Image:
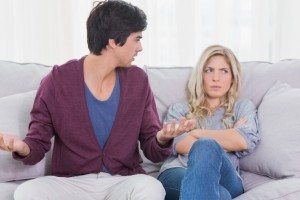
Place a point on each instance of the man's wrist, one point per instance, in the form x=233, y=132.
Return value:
x=25, y=151
x=160, y=142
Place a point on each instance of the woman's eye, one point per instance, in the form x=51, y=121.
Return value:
x=208, y=70
x=225, y=71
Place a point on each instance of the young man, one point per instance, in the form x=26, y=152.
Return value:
x=97, y=108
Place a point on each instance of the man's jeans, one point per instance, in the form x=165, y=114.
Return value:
x=209, y=176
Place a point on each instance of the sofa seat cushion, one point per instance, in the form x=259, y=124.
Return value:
x=288, y=188
x=251, y=180
x=7, y=189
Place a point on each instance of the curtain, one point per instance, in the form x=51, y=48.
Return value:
x=178, y=31
x=54, y=31
x=43, y=31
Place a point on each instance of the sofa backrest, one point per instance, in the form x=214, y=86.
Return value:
x=20, y=77
x=168, y=84
x=18, y=84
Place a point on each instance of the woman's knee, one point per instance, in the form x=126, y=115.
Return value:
x=203, y=151
x=205, y=145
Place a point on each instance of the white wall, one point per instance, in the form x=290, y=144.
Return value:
x=43, y=31
x=53, y=31
x=287, y=32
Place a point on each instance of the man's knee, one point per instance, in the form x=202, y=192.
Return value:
x=149, y=187
x=27, y=190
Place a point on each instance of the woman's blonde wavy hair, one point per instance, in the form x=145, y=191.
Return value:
x=196, y=95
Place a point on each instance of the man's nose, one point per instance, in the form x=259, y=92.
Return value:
x=140, y=48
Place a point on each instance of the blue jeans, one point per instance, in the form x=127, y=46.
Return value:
x=210, y=175
x=171, y=180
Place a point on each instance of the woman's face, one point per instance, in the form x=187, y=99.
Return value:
x=217, y=77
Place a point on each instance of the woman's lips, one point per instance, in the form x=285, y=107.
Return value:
x=215, y=87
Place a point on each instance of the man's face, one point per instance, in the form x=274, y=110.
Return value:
x=126, y=53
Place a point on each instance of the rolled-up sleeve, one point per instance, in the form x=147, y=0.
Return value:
x=250, y=130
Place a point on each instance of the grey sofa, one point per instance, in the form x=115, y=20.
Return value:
x=271, y=172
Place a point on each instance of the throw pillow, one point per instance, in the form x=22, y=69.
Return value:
x=14, y=120
x=278, y=153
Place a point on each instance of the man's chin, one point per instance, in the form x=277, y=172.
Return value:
x=126, y=65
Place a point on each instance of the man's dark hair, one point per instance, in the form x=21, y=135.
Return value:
x=113, y=19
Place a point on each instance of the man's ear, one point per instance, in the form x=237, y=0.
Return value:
x=112, y=43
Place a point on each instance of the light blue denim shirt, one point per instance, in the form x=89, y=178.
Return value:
x=242, y=108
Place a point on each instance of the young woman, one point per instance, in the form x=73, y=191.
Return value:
x=204, y=164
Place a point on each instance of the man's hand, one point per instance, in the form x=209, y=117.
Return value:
x=171, y=130
x=13, y=144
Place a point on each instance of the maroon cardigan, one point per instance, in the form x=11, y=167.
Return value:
x=60, y=110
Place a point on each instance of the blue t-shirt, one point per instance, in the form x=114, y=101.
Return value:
x=103, y=113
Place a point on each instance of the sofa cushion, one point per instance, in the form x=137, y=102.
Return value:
x=251, y=180
x=7, y=189
x=168, y=86
x=169, y=83
x=258, y=77
x=20, y=77
x=14, y=120
x=288, y=189
x=278, y=153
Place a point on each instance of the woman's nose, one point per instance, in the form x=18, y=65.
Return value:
x=216, y=76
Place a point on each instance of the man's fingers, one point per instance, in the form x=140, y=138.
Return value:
x=173, y=126
x=189, y=124
x=165, y=128
x=10, y=146
x=3, y=145
x=173, y=129
x=1, y=140
x=192, y=124
x=182, y=125
x=182, y=120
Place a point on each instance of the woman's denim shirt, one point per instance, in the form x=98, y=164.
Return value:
x=249, y=130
